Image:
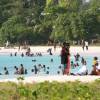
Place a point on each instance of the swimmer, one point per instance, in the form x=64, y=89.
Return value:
x=11, y=54
x=25, y=71
x=44, y=68
x=72, y=64
x=47, y=67
x=6, y=71
x=58, y=72
x=22, y=55
x=35, y=69
x=47, y=72
x=21, y=70
x=16, y=72
x=34, y=60
x=59, y=67
x=51, y=60
x=15, y=53
x=32, y=70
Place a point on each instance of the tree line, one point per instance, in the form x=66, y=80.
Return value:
x=37, y=21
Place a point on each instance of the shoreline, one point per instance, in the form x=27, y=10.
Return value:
x=93, y=50
x=51, y=78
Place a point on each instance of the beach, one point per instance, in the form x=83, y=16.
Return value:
x=93, y=51
x=50, y=78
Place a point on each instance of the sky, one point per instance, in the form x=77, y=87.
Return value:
x=87, y=0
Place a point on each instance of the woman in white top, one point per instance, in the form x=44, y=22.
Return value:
x=83, y=70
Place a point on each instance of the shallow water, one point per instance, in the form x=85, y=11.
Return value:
x=10, y=62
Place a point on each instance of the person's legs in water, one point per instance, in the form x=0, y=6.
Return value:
x=64, y=68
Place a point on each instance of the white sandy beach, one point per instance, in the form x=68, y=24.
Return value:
x=93, y=51
x=58, y=78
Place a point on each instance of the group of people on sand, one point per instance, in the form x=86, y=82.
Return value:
x=84, y=69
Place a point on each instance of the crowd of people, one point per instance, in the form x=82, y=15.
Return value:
x=66, y=63
x=35, y=69
x=25, y=54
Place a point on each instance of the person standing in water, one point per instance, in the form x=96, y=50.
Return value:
x=65, y=57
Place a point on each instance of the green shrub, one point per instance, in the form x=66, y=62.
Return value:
x=50, y=91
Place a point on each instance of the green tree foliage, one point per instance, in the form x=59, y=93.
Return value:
x=38, y=20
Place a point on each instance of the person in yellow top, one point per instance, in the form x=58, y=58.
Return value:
x=95, y=60
x=95, y=63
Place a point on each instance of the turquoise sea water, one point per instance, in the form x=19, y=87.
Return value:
x=10, y=62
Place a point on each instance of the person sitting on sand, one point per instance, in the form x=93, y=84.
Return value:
x=96, y=69
x=83, y=70
x=95, y=64
x=95, y=60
